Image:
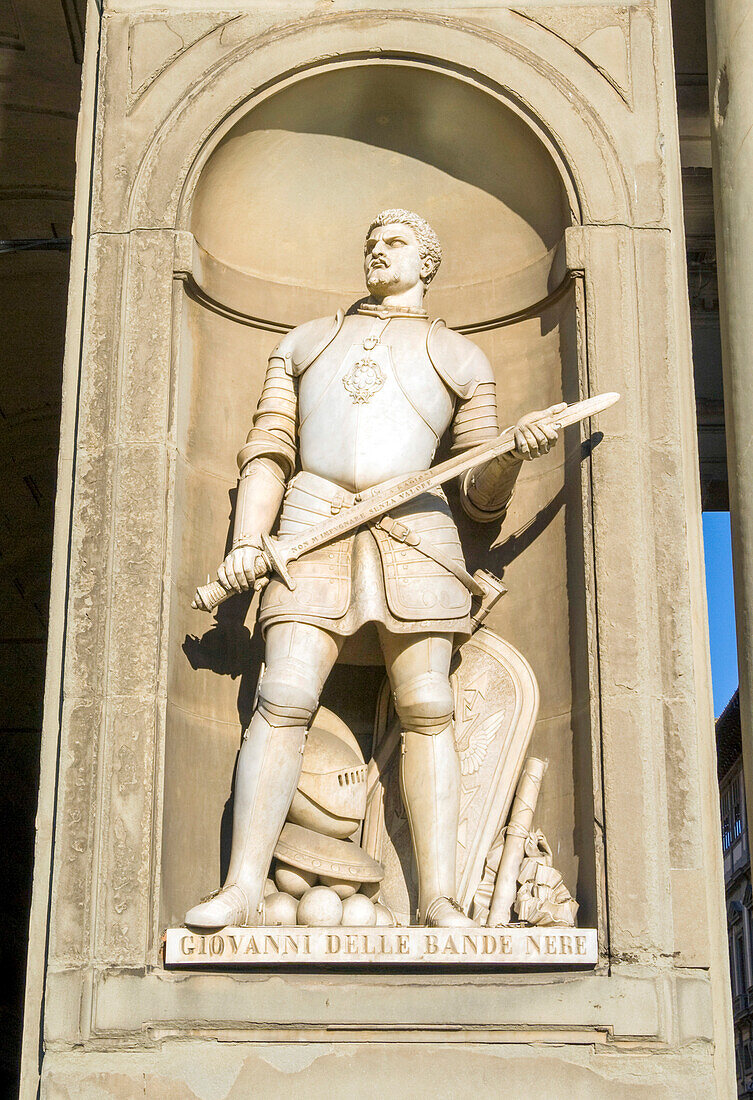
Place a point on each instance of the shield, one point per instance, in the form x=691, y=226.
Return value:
x=496, y=703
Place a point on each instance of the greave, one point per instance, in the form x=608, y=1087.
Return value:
x=269, y=766
x=430, y=785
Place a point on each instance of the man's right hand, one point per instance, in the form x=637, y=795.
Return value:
x=243, y=567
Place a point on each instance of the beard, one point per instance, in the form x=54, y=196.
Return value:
x=380, y=280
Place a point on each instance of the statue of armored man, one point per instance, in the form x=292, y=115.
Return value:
x=351, y=402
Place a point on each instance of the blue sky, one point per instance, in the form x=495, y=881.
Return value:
x=718, y=550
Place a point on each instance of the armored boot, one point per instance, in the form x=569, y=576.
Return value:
x=269, y=766
x=430, y=783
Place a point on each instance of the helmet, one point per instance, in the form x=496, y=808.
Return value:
x=331, y=794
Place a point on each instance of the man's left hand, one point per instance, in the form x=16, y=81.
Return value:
x=536, y=433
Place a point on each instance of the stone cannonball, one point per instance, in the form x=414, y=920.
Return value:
x=359, y=911
x=280, y=908
x=320, y=907
x=292, y=880
x=342, y=887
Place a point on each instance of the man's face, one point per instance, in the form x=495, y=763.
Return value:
x=392, y=262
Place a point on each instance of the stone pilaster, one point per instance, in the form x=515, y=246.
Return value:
x=730, y=39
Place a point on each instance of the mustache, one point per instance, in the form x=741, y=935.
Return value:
x=381, y=274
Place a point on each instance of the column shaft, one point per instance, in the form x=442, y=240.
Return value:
x=730, y=44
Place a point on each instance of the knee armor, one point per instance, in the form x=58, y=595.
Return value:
x=287, y=695
x=425, y=703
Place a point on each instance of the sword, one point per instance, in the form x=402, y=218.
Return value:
x=373, y=503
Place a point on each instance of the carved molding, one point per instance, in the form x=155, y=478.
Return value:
x=600, y=35
x=225, y=289
x=551, y=101
x=155, y=42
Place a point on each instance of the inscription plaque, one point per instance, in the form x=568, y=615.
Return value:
x=570, y=947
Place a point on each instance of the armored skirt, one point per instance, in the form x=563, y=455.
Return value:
x=369, y=575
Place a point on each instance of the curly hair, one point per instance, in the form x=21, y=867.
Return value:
x=428, y=242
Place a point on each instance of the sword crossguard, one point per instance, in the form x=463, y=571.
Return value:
x=276, y=562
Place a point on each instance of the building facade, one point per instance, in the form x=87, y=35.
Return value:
x=197, y=133
x=737, y=885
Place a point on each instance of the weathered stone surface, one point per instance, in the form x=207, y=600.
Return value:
x=191, y=1072
x=140, y=516
x=603, y=564
x=145, y=377
x=89, y=564
x=72, y=885
x=599, y=32
x=134, y=638
x=630, y=999
x=124, y=897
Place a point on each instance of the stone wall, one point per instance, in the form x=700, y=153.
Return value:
x=183, y=286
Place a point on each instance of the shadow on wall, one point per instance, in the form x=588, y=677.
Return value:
x=288, y=193
x=286, y=196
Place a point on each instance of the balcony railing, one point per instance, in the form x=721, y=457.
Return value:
x=737, y=857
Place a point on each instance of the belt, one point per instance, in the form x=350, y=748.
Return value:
x=322, y=489
x=401, y=532
x=339, y=498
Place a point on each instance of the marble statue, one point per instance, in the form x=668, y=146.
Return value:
x=349, y=403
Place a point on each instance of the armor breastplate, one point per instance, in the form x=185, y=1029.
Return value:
x=372, y=410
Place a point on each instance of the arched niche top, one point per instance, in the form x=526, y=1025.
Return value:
x=560, y=101
x=289, y=191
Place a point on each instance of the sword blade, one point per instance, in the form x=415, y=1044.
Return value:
x=378, y=501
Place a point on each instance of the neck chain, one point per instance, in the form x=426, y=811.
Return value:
x=377, y=329
x=365, y=375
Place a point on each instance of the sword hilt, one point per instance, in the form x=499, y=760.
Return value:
x=210, y=595
x=275, y=561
